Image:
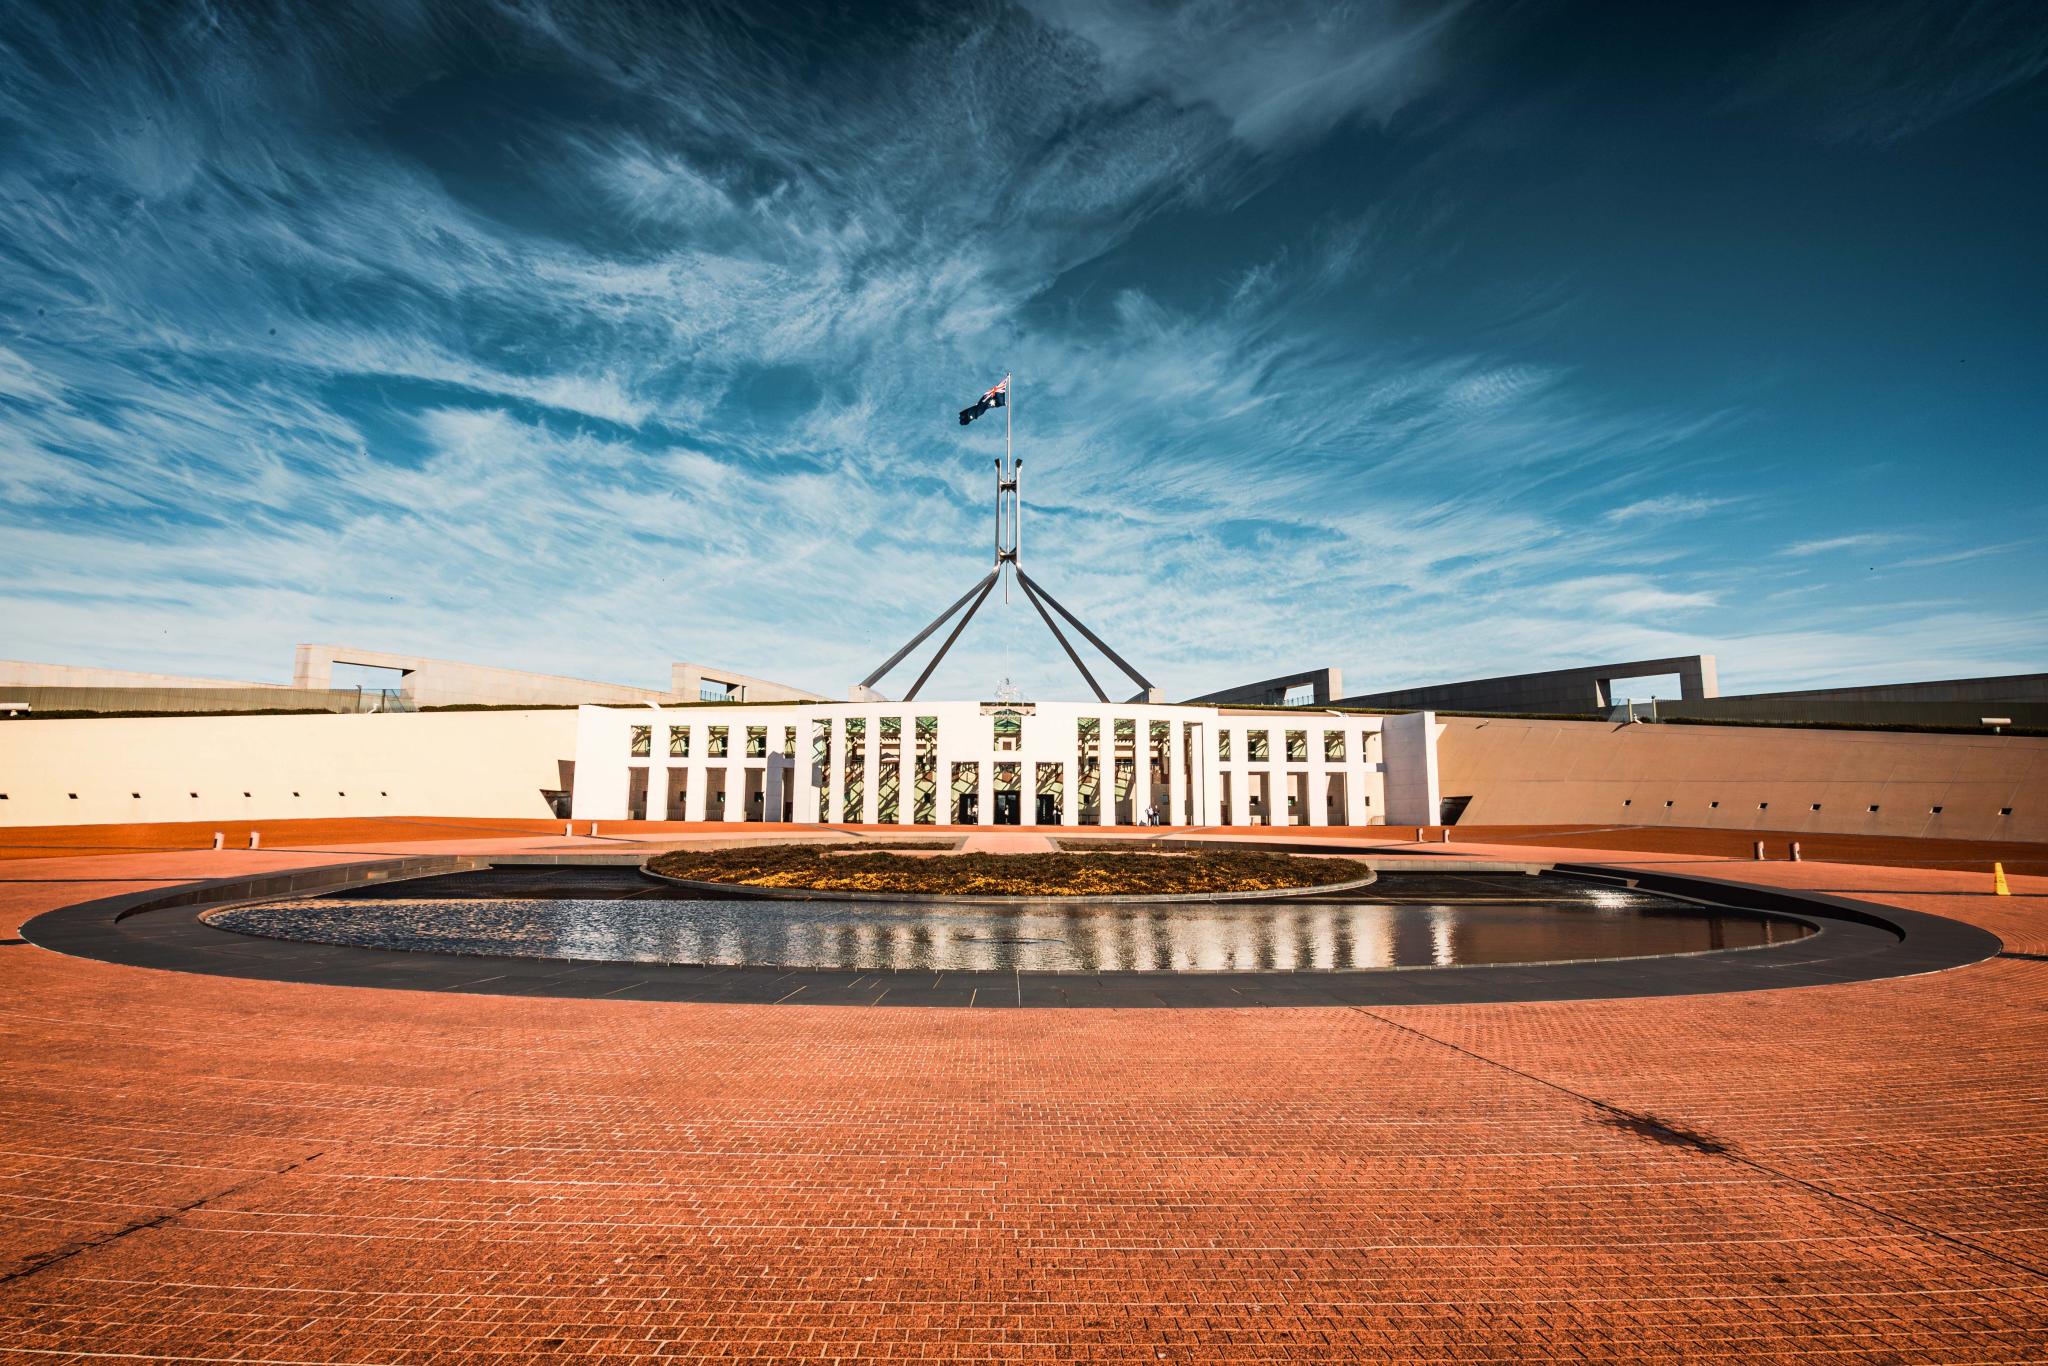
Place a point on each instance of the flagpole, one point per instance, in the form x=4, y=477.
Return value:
x=1009, y=473
x=1017, y=484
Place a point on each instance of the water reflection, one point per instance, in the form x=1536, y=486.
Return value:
x=1193, y=937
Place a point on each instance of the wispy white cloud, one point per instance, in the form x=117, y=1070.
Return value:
x=1666, y=507
x=1861, y=540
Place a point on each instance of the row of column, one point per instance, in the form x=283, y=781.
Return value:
x=774, y=771
x=1192, y=783
x=1170, y=796
x=1318, y=770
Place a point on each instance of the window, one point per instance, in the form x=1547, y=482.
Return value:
x=1934, y=811
x=789, y=742
x=1873, y=808
x=678, y=742
x=1009, y=732
x=757, y=742
x=1816, y=806
x=1713, y=806
x=1223, y=745
x=1628, y=801
x=1297, y=746
x=1763, y=806
x=643, y=741
x=1333, y=746
x=1258, y=746
x=719, y=745
x=2005, y=811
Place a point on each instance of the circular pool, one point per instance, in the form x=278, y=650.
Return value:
x=1405, y=920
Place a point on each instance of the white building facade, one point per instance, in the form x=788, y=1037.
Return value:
x=1004, y=763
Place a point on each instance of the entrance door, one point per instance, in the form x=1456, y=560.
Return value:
x=1009, y=808
x=1048, y=809
x=970, y=806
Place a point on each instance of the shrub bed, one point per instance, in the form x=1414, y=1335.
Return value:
x=860, y=868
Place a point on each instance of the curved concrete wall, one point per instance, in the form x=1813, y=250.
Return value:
x=1531, y=772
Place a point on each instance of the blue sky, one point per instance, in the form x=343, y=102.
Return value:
x=1427, y=340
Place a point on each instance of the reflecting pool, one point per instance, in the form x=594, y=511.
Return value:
x=1405, y=920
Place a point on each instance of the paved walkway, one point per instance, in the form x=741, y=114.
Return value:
x=211, y=1169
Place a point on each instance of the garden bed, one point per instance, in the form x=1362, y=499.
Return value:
x=848, y=868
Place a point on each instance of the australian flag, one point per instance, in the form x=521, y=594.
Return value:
x=994, y=398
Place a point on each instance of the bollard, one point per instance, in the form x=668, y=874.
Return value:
x=1998, y=884
x=255, y=839
x=1759, y=851
x=567, y=830
x=1447, y=836
x=1795, y=851
x=220, y=841
x=593, y=827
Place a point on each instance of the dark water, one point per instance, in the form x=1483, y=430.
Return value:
x=1404, y=920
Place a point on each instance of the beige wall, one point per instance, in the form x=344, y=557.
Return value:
x=1529, y=772
x=406, y=764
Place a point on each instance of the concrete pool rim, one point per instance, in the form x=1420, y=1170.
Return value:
x=161, y=928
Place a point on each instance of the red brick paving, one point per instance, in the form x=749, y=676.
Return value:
x=204, y=1169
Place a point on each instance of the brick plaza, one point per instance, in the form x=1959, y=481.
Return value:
x=198, y=1168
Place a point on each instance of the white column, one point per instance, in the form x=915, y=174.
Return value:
x=871, y=771
x=906, y=772
x=1070, y=800
x=944, y=809
x=735, y=775
x=1209, y=790
x=1357, y=779
x=1150, y=792
x=657, y=777
x=1105, y=770
x=985, y=793
x=835, y=773
x=693, y=793
x=1240, y=778
x=805, y=807
x=1177, y=773
x=773, y=779
x=1318, y=812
